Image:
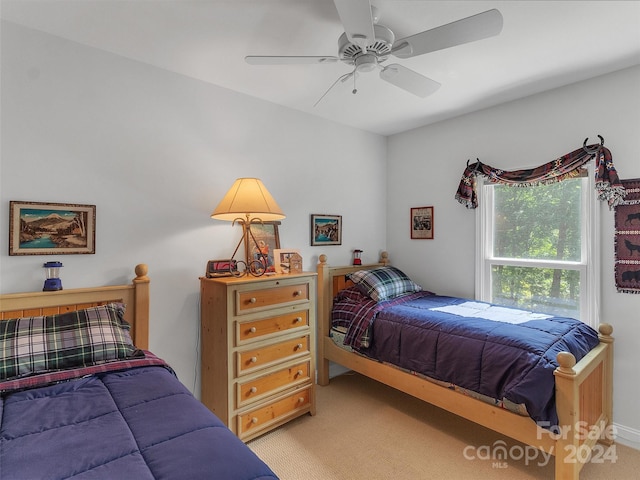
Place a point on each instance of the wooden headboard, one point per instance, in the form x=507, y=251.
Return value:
x=134, y=295
x=330, y=281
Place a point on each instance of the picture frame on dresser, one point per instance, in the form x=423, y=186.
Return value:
x=265, y=239
x=282, y=258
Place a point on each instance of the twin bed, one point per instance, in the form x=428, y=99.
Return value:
x=546, y=382
x=81, y=397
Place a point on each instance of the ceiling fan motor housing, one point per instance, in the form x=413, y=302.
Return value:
x=381, y=47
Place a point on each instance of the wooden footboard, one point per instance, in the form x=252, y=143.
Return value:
x=135, y=295
x=583, y=389
x=584, y=401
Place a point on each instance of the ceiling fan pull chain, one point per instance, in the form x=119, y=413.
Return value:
x=342, y=78
x=355, y=90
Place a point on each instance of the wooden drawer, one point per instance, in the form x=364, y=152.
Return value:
x=251, y=360
x=275, y=296
x=253, y=421
x=260, y=387
x=264, y=328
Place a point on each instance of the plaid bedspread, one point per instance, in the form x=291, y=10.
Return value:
x=356, y=312
x=50, y=378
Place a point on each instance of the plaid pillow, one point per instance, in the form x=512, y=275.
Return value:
x=68, y=340
x=383, y=283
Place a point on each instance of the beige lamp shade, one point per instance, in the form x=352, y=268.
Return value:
x=248, y=199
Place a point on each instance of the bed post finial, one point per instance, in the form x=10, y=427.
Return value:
x=322, y=259
x=566, y=362
x=384, y=258
x=141, y=273
x=605, y=330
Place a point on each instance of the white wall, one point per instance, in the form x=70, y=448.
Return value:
x=425, y=166
x=155, y=152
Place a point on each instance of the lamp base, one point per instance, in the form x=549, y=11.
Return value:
x=52, y=285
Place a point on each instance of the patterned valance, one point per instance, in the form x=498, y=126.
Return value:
x=608, y=184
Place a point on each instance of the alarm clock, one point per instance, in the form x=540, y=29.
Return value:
x=221, y=268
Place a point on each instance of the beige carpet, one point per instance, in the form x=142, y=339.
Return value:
x=364, y=430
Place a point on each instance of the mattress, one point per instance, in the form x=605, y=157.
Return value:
x=502, y=358
x=124, y=420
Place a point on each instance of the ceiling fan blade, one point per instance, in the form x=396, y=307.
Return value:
x=357, y=19
x=286, y=60
x=470, y=29
x=409, y=80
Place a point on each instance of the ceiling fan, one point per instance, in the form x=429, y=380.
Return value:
x=365, y=45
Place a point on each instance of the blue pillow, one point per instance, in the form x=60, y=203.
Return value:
x=383, y=283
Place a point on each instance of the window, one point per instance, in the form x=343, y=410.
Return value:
x=537, y=248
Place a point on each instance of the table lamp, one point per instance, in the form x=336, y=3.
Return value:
x=248, y=201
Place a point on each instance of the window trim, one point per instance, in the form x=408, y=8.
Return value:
x=589, y=265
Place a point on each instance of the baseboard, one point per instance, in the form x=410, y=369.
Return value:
x=629, y=437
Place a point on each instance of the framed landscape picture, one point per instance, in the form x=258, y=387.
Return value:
x=326, y=229
x=422, y=223
x=37, y=228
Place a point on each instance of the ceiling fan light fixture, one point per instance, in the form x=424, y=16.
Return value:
x=366, y=62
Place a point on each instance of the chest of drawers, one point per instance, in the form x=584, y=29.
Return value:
x=258, y=350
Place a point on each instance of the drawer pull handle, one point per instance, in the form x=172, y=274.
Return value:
x=253, y=359
x=252, y=300
x=298, y=320
x=253, y=389
x=254, y=420
x=297, y=293
x=298, y=346
x=299, y=373
x=301, y=400
x=252, y=330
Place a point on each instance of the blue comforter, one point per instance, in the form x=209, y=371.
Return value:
x=140, y=423
x=496, y=358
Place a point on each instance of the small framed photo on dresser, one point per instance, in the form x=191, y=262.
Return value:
x=422, y=223
x=282, y=259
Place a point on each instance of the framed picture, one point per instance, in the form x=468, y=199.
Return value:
x=37, y=228
x=267, y=240
x=422, y=223
x=282, y=259
x=326, y=229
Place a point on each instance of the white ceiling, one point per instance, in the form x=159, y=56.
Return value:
x=543, y=45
